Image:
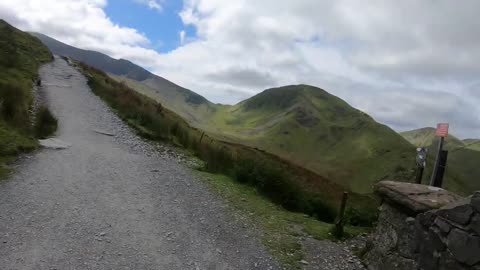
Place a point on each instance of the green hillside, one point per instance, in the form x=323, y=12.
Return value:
x=472, y=144
x=424, y=137
x=20, y=57
x=316, y=130
x=462, y=169
x=99, y=60
x=189, y=105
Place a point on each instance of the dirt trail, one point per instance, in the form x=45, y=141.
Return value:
x=112, y=202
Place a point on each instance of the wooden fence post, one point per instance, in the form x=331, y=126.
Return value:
x=341, y=215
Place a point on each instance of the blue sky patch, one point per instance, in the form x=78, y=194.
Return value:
x=161, y=28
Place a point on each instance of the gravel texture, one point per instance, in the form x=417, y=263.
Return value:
x=112, y=202
x=328, y=255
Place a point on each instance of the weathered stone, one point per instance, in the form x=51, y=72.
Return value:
x=436, y=240
x=426, y=219
x=410, y=220
x=442, y=225
x=459, y=212
x=415, y=197
x=448, y=262
x=464, y=247
x=393, y=241
x=427, y=257
x=475, y=224
x=475, y=201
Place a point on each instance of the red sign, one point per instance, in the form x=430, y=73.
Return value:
x=442, y=130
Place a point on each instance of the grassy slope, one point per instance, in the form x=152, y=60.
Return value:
x=20, y=57
x=425, y=137
x=462, y=169
x=190, y=106
x=472, y=144
x=319, y=131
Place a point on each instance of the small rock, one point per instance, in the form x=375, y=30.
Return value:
x=304, y=262
x=53, y=143
x=103, y=132
x=103, y=234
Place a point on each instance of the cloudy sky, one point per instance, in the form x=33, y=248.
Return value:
x=407, y=63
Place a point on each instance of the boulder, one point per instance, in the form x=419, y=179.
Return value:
x=414, y=198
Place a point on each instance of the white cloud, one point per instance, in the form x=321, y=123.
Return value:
x=81, y=23
x=181, y=35
x=407, y=63
x=152, y=4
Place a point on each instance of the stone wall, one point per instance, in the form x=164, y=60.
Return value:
x=423, y=227
x=449, y=238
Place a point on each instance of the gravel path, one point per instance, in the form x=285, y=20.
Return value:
x=112, y=202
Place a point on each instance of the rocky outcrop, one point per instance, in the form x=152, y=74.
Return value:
x=423, y=227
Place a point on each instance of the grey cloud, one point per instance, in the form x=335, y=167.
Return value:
x=242, y=76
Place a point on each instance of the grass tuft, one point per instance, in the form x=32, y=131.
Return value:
x=46, y=124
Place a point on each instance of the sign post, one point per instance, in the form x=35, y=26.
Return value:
x=441, y=160
x=421, y=163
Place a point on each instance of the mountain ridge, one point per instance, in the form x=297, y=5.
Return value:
x=131, y=74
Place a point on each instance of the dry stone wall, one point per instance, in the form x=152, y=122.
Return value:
x=423, y=227
x=449, y=238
